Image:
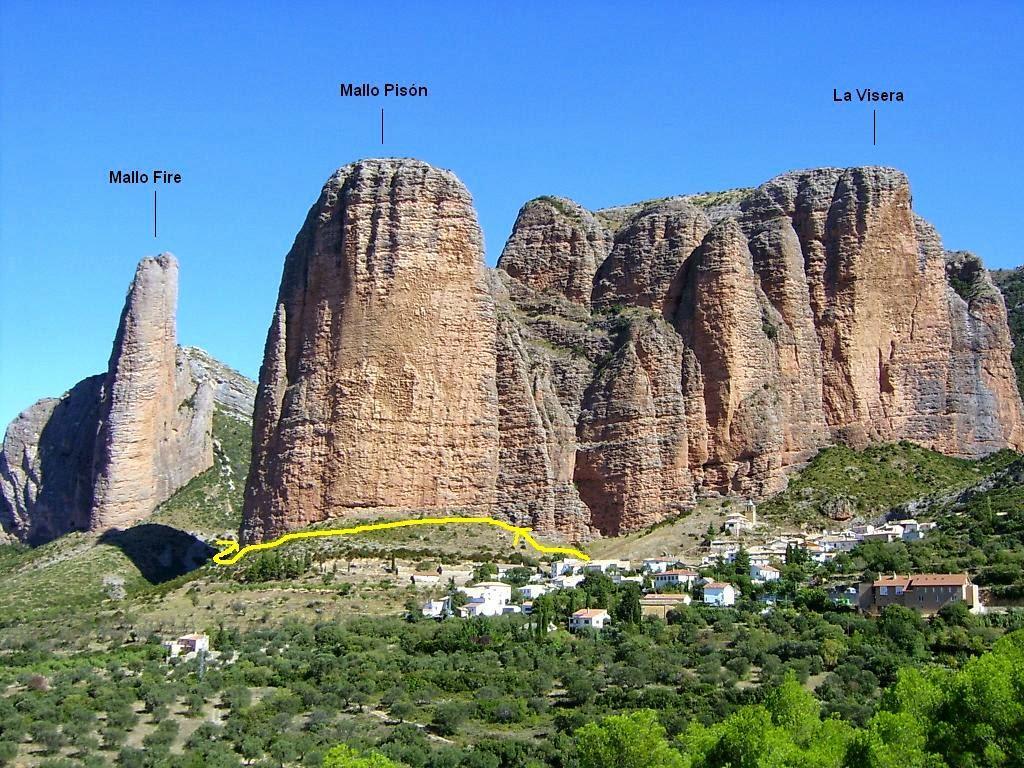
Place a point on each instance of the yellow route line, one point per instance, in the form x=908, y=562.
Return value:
x=231, y=554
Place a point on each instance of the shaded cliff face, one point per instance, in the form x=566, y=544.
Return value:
x=378, y=382
x=617, y=364
x=115, y=446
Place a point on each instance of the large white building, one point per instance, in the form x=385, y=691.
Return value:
x=764, y=572
x=676, y=577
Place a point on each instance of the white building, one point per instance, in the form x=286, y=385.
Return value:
x=488, y=598
x=618, y=578
x=675, y=577
x=589, y=618
x=565, y=567
x=841, y=542
x=187, y=644
x=494, y=591
x=567, y=582
x=719, y=593
x=533, y=591
x=736, y=522
x=434, y=609
x=604, y=566
x=659, y=564
x=764, y=572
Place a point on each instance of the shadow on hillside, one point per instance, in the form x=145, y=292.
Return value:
x=161, y=553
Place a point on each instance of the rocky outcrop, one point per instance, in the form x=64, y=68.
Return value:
x=378, y=382
x=115, y=446
x=648, y=252
x=46, y=465
x=555, y=248
x=814, y=309
x=620, y=363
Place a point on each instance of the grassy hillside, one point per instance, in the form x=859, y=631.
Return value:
x=840, y=481
x=79, y=572
x=981, y=530
x=212, y=502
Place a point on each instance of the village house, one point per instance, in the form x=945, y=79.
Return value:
x=676, y=577
x=565, y=567
x=533, y=591
x=589, y=618
x=604, y=566
x=764, y=573
x=618, y=578
x=188, y=645
x=719, y=593
x=659, y=605
x=568, y=581
x=487, y=598
x=840, y=542
x=435, y=609
x=736, y=523
x=659, y=564
x=923, y=592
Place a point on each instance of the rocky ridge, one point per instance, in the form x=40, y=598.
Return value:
x=617, y=364
x=116, y=445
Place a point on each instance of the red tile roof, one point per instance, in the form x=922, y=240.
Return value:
x=939, y=580
x=589, y=613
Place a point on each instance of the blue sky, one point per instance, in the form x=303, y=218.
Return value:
x=597, y=101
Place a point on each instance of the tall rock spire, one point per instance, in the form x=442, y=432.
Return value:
x=147, y=406
x=116, y=445
x=378, y=382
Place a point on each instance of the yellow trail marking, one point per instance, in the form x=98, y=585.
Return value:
x=231, y=554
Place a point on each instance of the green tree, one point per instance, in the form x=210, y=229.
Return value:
x=627, y=610
x=343, y=756
x=636, y=740
x=794, y=709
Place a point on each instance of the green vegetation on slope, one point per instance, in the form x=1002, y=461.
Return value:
x=840, y=481
x=981, y=531
x=82, y=571
x=212, y=501
x=495, y=693
x=970, y=717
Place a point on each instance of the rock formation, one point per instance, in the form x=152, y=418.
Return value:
x=619, y=363
x=378, y=383
x=115, y=446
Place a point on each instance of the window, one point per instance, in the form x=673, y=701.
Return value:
x=899, y=590
x=883, y=590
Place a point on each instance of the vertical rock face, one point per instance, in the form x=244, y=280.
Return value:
x=648, y=253
x=555, y=248
x=46, y=465
x=617, y=364
x=115, y=446
x=724, y=317
x=146, y=447
x=378, y=382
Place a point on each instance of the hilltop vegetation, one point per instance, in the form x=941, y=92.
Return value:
x=843, y=483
